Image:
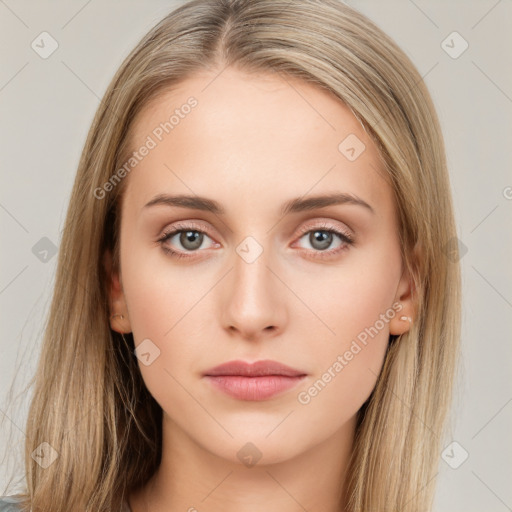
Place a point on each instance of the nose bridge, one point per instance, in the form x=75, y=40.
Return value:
x=253, y=302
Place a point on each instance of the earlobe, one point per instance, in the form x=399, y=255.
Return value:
x=401, y=323
x=120, y=323
x=119, y=320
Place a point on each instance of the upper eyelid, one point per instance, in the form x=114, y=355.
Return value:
x=322, y=225
x=184, y=225
x=194, y=226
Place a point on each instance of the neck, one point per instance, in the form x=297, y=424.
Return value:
x=191, y=478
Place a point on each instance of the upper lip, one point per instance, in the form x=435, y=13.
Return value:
x=257, y=369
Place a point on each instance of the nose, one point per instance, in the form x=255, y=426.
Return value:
x=253, y=302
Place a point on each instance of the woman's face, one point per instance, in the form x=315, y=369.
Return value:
x=264, y=267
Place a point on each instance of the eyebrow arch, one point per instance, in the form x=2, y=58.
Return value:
x=314, y=202
x=184, y=201
x=293, y=206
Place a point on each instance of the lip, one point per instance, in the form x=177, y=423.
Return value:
x=257, y=381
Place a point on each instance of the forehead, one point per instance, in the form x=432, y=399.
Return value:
x=253, y=134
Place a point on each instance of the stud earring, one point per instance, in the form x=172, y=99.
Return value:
x=406, y=318
x=113, y=316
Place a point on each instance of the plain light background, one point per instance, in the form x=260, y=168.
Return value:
x=47, y=105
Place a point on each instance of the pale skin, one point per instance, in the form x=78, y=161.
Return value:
x=252, y=143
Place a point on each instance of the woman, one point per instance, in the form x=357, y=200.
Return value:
x=253, y=306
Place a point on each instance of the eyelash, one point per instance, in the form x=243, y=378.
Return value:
x=346, y=238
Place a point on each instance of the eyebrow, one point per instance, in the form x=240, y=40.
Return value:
x=293, y=206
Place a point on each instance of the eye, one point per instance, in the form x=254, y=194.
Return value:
x=187, y=237
x=326, y=239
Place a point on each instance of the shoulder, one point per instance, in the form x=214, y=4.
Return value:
x=10, y=503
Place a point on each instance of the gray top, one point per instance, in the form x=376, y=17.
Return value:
x=11, y=504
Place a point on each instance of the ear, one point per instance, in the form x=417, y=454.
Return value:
x=119, y=319
x=406, y=295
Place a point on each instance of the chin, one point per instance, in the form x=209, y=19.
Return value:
x=250, y=447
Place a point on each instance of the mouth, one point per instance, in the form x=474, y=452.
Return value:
x=254, y=382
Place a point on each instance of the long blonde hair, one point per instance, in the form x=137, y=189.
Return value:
x=90, y=402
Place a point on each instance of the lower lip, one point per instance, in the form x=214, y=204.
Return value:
x=253, y=388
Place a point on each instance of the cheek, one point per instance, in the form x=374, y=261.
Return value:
x=356, y=302
x=347, y=364
x=161, y=305
x=353, y=297
x=158, y=293
x=335, y=395
x=162, y=316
